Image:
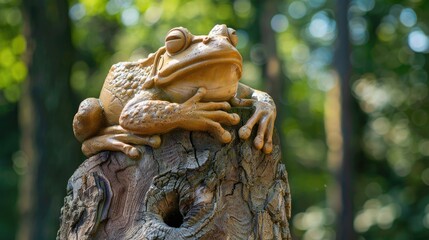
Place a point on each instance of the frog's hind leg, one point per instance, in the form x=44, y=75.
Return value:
x=89, y=119
x=115, y=138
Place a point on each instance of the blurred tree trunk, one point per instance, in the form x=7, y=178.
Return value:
x=342, y=167
x=272, y=68
x=46, y=112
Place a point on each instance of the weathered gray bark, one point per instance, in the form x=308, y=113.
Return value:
x=192, y=187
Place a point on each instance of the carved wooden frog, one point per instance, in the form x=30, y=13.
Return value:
x=189, y=83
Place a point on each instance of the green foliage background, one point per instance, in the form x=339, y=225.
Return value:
x=390, y=45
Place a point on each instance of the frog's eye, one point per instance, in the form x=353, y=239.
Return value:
x=232, y=35
x=177, y=40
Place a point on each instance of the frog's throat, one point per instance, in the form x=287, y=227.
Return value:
x=166, y=76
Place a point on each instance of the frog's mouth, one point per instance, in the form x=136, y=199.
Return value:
x=202, y=69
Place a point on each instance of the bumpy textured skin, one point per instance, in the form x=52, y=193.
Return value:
x=125, y=81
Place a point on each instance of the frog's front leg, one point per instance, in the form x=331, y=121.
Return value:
x=264, y=116
x=151, y=117
x=115, y=138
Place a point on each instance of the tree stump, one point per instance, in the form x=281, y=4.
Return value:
x=192, y=187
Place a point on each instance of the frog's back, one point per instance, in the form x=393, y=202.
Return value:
x=124, y=81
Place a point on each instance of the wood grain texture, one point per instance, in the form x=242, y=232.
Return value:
x=192, y=187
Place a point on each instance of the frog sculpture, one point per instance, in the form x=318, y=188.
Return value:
x=189, y=83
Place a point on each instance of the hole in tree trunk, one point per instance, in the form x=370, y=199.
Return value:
x=172, y=216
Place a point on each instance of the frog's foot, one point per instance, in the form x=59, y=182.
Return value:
x=264, y=116
x=207, y=116
x=116, y=139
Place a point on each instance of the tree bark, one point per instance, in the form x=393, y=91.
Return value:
x=46, y=112
x=192, y=187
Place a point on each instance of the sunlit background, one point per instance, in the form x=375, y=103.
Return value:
x=289, y=50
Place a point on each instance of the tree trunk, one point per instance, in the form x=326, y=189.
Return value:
x=273, y=76
x=46, y=112
x=192, y=187
x=343, y=170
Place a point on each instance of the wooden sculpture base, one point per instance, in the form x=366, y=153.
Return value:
x=192, y=187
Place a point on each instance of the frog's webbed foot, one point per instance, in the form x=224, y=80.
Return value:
x=264, y=116
x=115, y=138
x=207, y=116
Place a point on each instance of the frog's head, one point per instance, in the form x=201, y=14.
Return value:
x=188, y=62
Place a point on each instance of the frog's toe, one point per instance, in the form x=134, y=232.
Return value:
x=129, y=150
x=132, y=152
x=244, y=132
x=155, y=141
x=87, y=150
x=226, y=137
x=268, y=147
x=235, y=118
x=258, y=142
x=219, y=132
